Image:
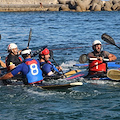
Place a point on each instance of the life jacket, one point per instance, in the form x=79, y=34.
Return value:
x=35, y=74
x=16, y=61
x=20, y=59
x=43, y=63
x=53, y=69
x=97, y=66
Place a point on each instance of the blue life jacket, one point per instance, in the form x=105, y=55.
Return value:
x=35, y=74
x=53, y=68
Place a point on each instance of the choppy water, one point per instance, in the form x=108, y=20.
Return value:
x=60, y=30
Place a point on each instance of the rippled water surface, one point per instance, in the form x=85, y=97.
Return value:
x=68, y=34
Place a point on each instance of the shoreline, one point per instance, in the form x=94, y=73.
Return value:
x=59, y=5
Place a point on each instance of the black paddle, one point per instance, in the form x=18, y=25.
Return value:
x=38, y=51
x=3, y=68
x=83, y=58
x=29, y=39
x=109, y=39
x=51, y=57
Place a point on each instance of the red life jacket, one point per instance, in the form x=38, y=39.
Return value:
x=97, y=66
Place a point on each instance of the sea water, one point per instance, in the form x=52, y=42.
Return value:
x=68, y=34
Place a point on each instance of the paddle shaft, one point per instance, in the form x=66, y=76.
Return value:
x=3, y=68
x=30, y=33
x=51, y=57
x=117, y=46
x=57, y=65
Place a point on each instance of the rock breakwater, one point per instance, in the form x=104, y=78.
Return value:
x=59, y=5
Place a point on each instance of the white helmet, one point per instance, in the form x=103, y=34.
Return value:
x=26, y=51
x=96, y=42
x=11, y=46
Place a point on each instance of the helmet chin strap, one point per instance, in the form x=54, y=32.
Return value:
x=44, y=58
x=14, y=53
x=97, y=51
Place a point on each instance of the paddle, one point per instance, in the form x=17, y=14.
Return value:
x=83, y=58
x=109, y=39
x=113, y=74
x=38, y=51
x=29, y=39
x=3, y=68
x=51, y=57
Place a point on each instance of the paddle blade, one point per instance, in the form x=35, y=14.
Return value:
x=38, y=51
x=108, y=39
x=76, y=83
x=83, y=58
x=30, y=33
x=113, y=74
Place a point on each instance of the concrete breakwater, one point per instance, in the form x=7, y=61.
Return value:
x=59, y=5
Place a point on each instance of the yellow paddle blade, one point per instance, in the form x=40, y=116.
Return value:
x=113, y=74
x=76, y=83
x=71, y=72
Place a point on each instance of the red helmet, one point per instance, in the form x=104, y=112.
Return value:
x=45, y=52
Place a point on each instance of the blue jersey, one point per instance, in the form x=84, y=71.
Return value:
x=31, y=69
x=48, y=67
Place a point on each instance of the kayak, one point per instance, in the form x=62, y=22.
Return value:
x=110, y=65
x=78, y=75
x=52, y=86
x=84, y=74
x=72, y=72
x=59, y=86
x=68, y=74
